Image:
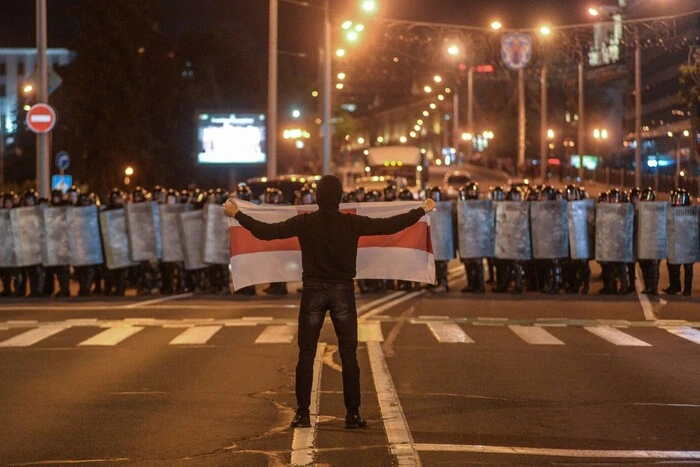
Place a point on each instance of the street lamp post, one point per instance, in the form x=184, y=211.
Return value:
x=543, y=123
x=327, y=129
x=42, y=139
x=272, y=92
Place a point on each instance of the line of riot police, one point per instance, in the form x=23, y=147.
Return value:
x=165, y=241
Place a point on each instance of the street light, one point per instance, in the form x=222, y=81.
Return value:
x=369, y=6
x=679, y=140
x=128, y=172
x=496, y=25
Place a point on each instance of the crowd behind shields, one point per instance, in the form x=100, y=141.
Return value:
x=560, y=275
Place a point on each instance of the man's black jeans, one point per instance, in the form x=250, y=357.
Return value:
x=339, y=298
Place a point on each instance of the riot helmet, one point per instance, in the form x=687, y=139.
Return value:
x=572, y=193
x=359, y=194
x=56, y=197
x=138, y=195
x=273, y=196
x=497, y=193
x=116, y=198
x=434, y=193
x=372, y=196
x=603, y=197
x=647, y=194
x=548, y=193
x=305, y=196
x=220, y=195
x=405, y=195
x=184, y=196
x=172, y=197
x=684, y=198
x=72, y=195
x=390, y=191
x=514, y=194
x=159, y=194
x=30, y=198
x=614, y=196
x=583, y=193
x=84, y=200
x=9, y=200
x=634, y=194
x=469, y=191
x=243, y=191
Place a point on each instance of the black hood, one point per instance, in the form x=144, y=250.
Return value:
x=329, y=191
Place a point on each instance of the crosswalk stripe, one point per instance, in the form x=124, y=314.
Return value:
x=615, y=336
x=535, y=335
x=449, y=333
x=275, y=334
x=369, y=332
x=32, y=336
x=693, y=335
x=112, y=336
x=196, y=335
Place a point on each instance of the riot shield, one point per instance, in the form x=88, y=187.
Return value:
x=581, y=220
x=84, y=228
x=115, y=239
x=651, y=229
x=191, y=229
x=683, y=234
x=614, y=231
x=476, y=226
x=140, y=223
x=513, y=230
x=441, y=231
x=217, y=243
x=170, y=232
x=549, y=229
x=27, y=234
x=55, y=247
x=7, y=247
x=157, y=230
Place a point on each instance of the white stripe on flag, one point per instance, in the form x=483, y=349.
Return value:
x=264, y=267
x=406, y=264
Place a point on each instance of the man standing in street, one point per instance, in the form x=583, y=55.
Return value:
x=328, y=240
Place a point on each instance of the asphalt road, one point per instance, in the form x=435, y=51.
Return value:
x=447, y=379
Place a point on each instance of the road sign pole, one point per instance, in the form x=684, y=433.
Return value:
x=42, y=139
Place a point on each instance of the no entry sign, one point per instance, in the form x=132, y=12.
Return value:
x=41, y=118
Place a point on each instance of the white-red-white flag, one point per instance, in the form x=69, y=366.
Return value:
x=406, y=255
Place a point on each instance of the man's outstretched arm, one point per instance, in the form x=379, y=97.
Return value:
x=262, y=230
x=391, y=225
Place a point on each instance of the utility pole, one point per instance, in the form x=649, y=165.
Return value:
x=638, y=112
x=581, y=117
x=327, y=126
x=271, y=92
x=470, y=111
x=42, y=139
x=521, y=122
x=543, y=123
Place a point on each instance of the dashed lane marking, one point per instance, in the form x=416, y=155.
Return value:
x=304, y=439
x=32, y=336
x=693, y=335
x=169, y=298
x=615, y=336
x=111, y=336
x=196, y=336
x=535, y=335
x=449, y=333
x=277, y=334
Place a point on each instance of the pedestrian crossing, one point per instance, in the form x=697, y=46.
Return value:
x=267, y=332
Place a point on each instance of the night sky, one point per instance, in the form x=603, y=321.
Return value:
x=299, y=26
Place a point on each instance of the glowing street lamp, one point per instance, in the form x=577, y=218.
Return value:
x=427, y=89
x=453, y=50
x=437, y=78
x=369, y=6
x=496, y=25
x=593, y=11
x=545, y=30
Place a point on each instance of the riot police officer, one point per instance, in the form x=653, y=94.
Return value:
x=550, y=274
x=495, y=265
x=34, y=274
x=60, y=273
x=680, y=197
x=7, y=274
x=576, y=272
x=473, y=266
x=390, y=191
x=441, y=285
x=614, y=270
x=115, y=279
x=171, y=271
x=649, y=267
x=512, y=269
x=84, y=274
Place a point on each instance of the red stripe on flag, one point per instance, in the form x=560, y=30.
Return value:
x=243, y=242
x=416, y=236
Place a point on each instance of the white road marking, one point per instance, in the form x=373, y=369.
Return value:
x=643, y=299
x=449, y=333
x=578, y=453
x=395, y=424
x=693, y=335
x=390, y=304
x=303, y=450
x=196, y=335
x=379, y=301
x=76, y=461
x=615, y=336
x=159, y=300
x=112, y=336
x=369, y=332
x=535, y=335
x=32, y=336
x=277, y=334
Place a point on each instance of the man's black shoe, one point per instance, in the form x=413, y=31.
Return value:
x=354, y=421
x=301, y=421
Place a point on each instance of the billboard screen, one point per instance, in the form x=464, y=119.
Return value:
x=231, y=138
